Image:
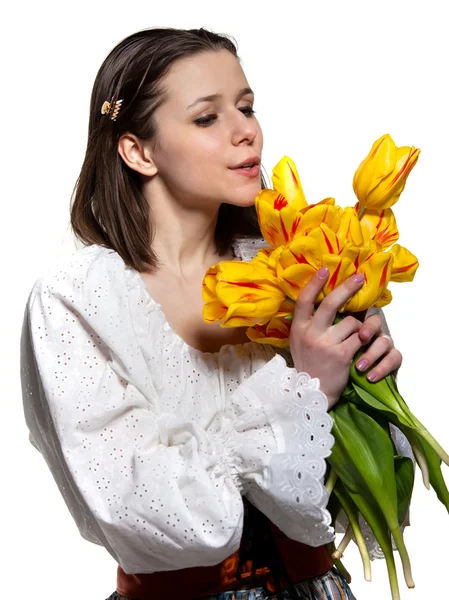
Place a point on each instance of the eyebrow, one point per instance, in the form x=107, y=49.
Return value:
x=241, y=93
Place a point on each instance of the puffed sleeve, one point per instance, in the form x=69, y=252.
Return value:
x=282, y=438
x=159, y=494
x=162, y=490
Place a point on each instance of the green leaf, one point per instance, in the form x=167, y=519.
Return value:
x=364, y=397
x=405, y=475
x=383, y=395
x=362, y=457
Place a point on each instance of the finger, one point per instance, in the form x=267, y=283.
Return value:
x=387, y=366
x=376, y=350
x=326, y=312
x=351, y=346
x=305, y=303
x=341, y=331
x=372, y=327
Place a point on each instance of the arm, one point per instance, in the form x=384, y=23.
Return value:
x=282, y=455
x=157, y=493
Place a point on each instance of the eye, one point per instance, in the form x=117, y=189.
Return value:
x=248, y=111
x=209, y=119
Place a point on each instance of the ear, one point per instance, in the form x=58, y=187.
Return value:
x=136, y=154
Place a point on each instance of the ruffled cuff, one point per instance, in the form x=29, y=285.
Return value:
x=283, y=435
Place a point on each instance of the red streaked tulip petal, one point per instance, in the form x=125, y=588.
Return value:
x=286, y=181
x=350, y=229
x=405, y=264
x=379, y=226
x=385, y=299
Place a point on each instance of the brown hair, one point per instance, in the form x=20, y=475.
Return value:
x=108, y=206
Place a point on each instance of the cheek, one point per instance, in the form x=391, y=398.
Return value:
x=192, y=151
x=189, y=165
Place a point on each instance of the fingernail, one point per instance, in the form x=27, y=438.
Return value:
x=362, y=364
x=359, y=277
x=323, y=272
x=366, y=333
x=372, y=376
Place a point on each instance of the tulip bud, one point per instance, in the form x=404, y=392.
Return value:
x=380, y=178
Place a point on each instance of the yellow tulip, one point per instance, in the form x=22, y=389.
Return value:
x=268, y=258
x=286, y=181
x=309, y=248
x=214, y=309
x=240, y=293
x=404, y=264
x=376, y=266
x=278, y=220
x=302, y=238
x=381, y=176
x=278, y=210
x=305, y=255
x=350, y=229
x=276, y=332
x=379, y=226
x=315, y=214
x=384, y=299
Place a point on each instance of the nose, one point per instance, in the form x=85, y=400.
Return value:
x=244, y=129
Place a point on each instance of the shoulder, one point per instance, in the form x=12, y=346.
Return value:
x=90, y=271
x=85, y=295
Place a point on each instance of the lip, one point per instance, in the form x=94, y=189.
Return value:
x=251, y=159
x=253, y=172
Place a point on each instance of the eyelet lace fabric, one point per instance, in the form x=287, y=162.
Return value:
x=151, y=442
x=290, y=490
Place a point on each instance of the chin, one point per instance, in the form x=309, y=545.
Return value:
x=242, y=201
x=245, y=197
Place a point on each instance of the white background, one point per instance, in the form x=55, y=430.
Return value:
x=330, y=78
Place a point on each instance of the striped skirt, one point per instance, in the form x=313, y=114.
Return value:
x=330, y=586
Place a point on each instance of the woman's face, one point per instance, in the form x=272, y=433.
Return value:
x=199, y=141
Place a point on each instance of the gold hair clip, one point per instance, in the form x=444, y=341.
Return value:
x=111, y=109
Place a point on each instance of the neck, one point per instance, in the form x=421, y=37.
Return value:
x=184, y=237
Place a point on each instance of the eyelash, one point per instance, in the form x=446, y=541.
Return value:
x=209, y=119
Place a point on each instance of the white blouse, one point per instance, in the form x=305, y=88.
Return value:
x=153, y=443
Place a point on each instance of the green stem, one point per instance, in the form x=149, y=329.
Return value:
x=422, y=431
x=331, y=481
x=361, y=212
x=351, y=512
x=344, y=543
x=337, y=562
x=406, y=567
x=340, y=566
x=420, y=458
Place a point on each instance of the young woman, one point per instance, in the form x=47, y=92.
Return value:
x=195, y=457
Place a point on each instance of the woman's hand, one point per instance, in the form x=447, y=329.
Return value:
x=319, y=347
x=381, y=347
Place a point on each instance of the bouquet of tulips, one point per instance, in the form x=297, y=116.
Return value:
x=366, y=476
